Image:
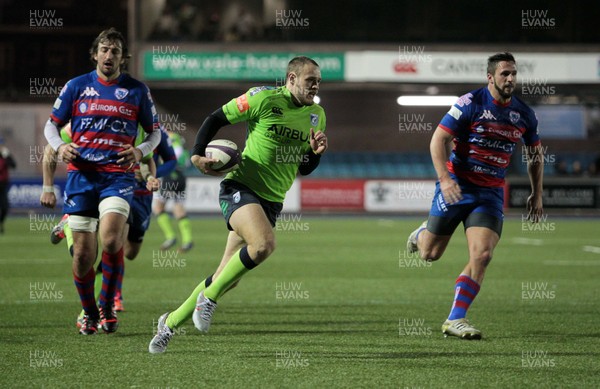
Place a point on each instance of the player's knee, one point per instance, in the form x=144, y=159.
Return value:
x=131, y=253
x=82, y=262
x=262, y=249
x=131, y=248
x=112, y=245
x=431, y=254
x=483, y=257
x=80, y=271
x=112, y=242
x=429, y=251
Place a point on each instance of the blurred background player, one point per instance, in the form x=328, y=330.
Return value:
x=140, y=215
x=252, y=196
x=6, y=162
x=105, y=107
x=173, y=188
x=484, y=127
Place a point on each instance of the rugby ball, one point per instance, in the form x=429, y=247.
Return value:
x=227, y=154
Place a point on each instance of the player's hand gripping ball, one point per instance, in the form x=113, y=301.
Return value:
x=226, y=153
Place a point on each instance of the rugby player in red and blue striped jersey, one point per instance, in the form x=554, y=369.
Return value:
x=105, y=107
x=484, y=127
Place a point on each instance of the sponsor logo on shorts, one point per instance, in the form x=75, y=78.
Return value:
x=237, y=197
x=127, y=190
x=441, y=204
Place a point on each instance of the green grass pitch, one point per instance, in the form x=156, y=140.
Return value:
x=339, y=304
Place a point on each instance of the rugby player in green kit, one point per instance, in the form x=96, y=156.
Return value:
x=286, y=135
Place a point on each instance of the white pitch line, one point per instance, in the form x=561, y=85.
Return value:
x=33, y=261
x=385, y=222
x=592, y=249
x=528, y=241
x=571, y=263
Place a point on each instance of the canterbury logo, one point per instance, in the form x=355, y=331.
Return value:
x=487, y=115
x=277, y=111
x=89, y=92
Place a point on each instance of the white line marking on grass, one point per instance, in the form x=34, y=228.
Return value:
x=528, y=241
x=33, y=261
x=592, y=249
x=571, y=263
x=385, y=222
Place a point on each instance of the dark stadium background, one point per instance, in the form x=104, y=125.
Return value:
x=362, y=116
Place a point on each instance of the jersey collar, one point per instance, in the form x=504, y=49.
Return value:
x=108, y=83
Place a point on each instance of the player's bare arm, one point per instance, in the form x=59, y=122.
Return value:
x=535, y=169
x=440, y=153
x=48, y=197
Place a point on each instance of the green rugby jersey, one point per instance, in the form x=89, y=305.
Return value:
x=277, y=139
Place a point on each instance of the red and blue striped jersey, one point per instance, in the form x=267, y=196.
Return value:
x=485, y=136
x=104, y=117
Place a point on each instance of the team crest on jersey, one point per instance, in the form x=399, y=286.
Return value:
x=89, y=91
x=83, y=107
x=514, y=117
x=314, y=119
x=121, y=93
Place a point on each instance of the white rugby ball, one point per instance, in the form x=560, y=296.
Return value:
x=227, y=154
